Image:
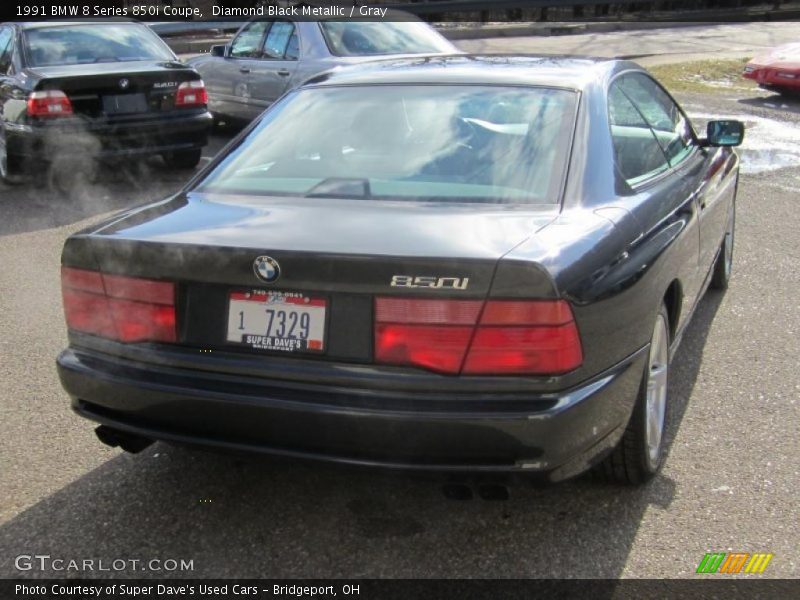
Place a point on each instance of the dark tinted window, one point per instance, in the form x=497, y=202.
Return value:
x=662, y=114
x=293, y=49
x=92, y=43
x=6, y=49
x=434, y=142
x=248, y=43
x=277, y=41
x=637, y=151
x=358, y=38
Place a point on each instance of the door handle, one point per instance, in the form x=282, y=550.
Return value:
x=284, y=72
x=244, y=70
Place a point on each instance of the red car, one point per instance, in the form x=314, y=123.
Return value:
x=777, y=70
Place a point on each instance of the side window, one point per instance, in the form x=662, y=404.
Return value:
x=661, y=113
x=276, y=45
x=293, y=49
x=248, y=43
x=6, y=49
x=638, y=154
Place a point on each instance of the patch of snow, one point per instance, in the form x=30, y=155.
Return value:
x=768, y=144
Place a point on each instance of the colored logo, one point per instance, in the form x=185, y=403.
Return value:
x=266, y=268
x=734, y=562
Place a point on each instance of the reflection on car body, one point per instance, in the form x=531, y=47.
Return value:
x=492, y=275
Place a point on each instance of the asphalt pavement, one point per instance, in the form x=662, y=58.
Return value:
x=651, y=46
x=729, y=484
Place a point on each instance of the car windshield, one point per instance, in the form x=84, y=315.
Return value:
x=359, y=38
x=432, y=142
x=93, y=43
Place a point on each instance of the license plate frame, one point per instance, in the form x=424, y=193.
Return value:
x=246, y=331
x=124, y=104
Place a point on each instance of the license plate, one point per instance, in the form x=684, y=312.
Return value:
x=282, y=321
x=119, y=104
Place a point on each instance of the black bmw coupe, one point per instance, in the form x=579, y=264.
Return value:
x=100, y=88
x=454, y=264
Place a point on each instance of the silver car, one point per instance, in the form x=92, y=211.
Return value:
x=268, y=57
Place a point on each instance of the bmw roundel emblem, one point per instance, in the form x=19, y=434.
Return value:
x=124, y=83
x=266, y=268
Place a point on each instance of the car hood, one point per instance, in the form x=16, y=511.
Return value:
x=377, y=228
x=787, y=56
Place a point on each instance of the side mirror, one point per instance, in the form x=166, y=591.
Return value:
x=219, y=50
x=724, y=133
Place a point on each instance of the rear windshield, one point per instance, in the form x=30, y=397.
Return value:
x=407, y=142
x=368, y=39
x=94, y=43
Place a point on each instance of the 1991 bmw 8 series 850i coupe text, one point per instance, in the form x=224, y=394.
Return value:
x=456, y=264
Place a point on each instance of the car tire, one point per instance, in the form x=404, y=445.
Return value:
x=10, y=166
x=639, y=454
x=183, y=159
x=724, y=263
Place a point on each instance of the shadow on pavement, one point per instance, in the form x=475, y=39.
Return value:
x=77, y=189
x=258, y=517
x=774, y=102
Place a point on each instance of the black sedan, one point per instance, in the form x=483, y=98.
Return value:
x=463, y=263
x=100, y=89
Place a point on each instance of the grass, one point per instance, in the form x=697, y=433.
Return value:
x=704, y=76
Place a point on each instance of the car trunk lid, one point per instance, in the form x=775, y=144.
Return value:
x=339, y=254
x=117, y=90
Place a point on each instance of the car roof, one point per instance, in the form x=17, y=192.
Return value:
x=572, y=72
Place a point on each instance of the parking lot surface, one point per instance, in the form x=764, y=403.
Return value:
x=729, y=484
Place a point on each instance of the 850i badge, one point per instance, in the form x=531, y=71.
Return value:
x=439, y=283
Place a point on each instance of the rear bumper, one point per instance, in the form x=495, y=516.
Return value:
x=49, y=141
x=559, y=434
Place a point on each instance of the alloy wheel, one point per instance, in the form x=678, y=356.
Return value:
x=657, y=390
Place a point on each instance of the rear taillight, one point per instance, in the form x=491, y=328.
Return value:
x=191, y=93
x=51, y=103
x=126, y=309
x=502, y=337
x=428, y=333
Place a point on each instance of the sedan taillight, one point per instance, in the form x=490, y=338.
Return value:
x=125, y=309
x=500, y=337
x=51, y=103
x=191, y=93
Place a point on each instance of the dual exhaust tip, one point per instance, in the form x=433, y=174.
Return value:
x=120, y=439
x=129, y=442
